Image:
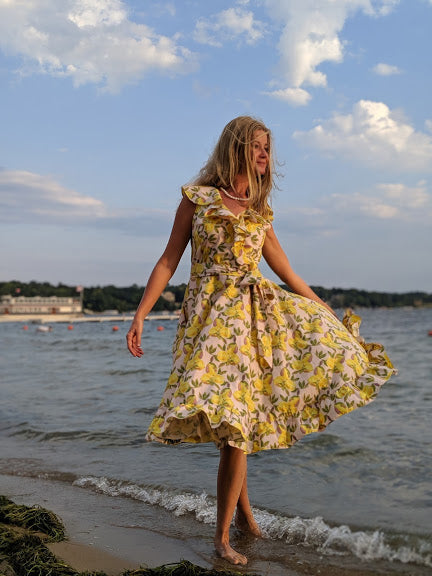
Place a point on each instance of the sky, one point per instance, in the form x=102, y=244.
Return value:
x=107, y=107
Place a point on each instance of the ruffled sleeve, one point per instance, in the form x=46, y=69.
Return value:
x=269, y=216
x=201, y=195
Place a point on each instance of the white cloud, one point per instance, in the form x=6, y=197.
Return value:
x=97, y=13
x=374, y=134
x=311, y=35
x=90, y=41
x=383, y=69
x=384, y=7
x=229, y=24
x=37, y=199
x=26, y=194
x=295, y=96
x=389, y=201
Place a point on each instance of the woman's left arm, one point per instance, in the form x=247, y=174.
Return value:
x=279, y=263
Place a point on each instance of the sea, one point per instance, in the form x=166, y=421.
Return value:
x=75, y=407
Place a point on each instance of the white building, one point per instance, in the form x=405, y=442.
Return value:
x=40, y=305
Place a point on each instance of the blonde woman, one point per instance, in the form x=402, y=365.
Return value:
x=255, y=367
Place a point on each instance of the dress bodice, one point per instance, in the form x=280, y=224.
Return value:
x=221, y=241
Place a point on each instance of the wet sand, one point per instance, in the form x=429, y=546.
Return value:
x=100, y=538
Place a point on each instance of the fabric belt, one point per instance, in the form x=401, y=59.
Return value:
x=263, y=319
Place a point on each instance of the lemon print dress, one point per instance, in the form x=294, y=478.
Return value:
x=255, y=366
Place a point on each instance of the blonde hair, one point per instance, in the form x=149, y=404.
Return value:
x=232, y=156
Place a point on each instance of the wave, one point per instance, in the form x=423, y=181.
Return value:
x=103, y=438
x=309, y=532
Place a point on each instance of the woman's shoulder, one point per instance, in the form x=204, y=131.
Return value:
x=200, y=194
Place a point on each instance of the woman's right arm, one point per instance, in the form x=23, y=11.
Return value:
x=162, y=272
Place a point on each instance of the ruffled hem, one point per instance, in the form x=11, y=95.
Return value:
x=192, y=423
x=380, y=365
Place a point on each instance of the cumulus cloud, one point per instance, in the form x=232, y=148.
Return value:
x=382, y=69
x=295, y=96
x=230, y=24
x=374, y=134
x=310, y=35
x=389, y=201
x=90, y=41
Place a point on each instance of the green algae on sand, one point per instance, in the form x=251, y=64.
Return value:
x=25, y=531
x=33, y=518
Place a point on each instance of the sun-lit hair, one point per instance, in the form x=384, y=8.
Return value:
x=232, y=156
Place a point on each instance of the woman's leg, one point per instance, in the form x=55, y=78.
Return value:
x=244, y=519
x=231, y=476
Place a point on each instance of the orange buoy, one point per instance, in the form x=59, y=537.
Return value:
x=25, y=327
x=160, y=328
x=70, y=327
x=114, y=328
x=430, y=332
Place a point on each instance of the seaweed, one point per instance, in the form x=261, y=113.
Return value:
x=27, y=555
x=183, y=568
x=24, y=553
x=33, y=518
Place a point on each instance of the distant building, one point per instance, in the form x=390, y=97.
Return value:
x=40, y=305
x=168, y=296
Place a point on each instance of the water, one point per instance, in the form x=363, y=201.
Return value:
x=74, y=406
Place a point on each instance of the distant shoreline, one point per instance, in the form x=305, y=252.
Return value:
x=76, y=318
x=105, y=300
x=82, y=318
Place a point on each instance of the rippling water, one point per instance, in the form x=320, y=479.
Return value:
x=74, y=405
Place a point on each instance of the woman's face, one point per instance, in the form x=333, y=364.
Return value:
x=260, y=151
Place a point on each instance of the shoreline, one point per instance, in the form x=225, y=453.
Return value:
x=101, y=537
x=97, y=537
x=77, y=318
x=128, y=317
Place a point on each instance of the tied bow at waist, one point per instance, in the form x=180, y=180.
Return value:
x=263, y=321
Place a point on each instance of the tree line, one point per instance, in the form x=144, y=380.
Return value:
x=126, y=299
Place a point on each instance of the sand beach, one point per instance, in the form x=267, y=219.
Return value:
x=98, y=538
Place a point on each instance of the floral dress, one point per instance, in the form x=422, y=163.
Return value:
x=255, y=366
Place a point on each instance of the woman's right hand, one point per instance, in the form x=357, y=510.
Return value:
x=133, y=338
x=162, y=272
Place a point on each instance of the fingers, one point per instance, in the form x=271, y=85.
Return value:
x=133, y=341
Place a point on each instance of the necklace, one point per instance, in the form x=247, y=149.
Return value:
x=238, y=198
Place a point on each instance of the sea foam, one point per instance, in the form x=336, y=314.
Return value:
x=310, y=532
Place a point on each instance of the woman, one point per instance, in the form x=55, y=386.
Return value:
x=254, y=367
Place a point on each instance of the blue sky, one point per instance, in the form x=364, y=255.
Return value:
x=108, y=106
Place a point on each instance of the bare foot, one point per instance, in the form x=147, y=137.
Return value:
x=227, y=553
x=247, y=524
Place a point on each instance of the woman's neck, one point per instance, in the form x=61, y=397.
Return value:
x=241, y=184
